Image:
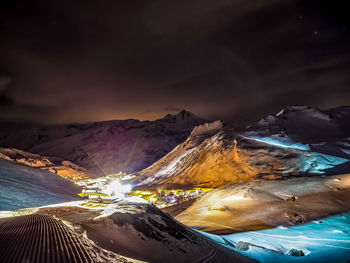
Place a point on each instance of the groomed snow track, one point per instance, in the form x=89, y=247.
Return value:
x=41, y=238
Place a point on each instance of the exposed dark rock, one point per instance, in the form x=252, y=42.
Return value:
x=296, y=253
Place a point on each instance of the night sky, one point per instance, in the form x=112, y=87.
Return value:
x=81, y=60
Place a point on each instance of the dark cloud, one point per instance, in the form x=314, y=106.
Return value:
x=5, y=100
x=171, y=108
x=71, y=61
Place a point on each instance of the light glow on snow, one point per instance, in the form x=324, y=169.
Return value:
x=234, y=198
x=278, y=143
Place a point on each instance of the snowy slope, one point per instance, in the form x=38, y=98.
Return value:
x=143, y=232
x=104, y=147
x=137, y=231
x=321, y=241
x=268, y=203
x=23, y=186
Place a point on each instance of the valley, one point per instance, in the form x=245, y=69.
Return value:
x=219, y=195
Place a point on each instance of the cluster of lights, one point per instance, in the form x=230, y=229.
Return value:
x=105, y=189
x=168, y=197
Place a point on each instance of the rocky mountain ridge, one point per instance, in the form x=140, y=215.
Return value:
x=104, y=147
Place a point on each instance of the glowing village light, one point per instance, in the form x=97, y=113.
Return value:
x=116, y=189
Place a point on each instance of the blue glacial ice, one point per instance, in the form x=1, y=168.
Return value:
x=326, y=240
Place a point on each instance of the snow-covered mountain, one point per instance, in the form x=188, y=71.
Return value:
x=306, y=124
x=297, y=141
x=104, y=147
x=325, y=131
x=170, y=164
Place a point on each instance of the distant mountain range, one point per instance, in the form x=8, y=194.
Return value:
x=103, y=147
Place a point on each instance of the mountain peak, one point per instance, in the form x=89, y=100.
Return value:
x=182, y=116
